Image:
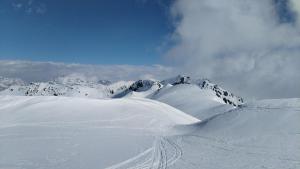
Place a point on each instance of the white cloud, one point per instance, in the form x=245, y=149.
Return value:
x=45, y=71
x=239, y=43
x=296, y=5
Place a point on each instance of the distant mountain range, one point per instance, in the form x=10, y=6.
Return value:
x=78, y=87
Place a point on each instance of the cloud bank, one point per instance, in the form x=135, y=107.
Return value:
x=295, y=4
x=45, y=71
x=243, y=44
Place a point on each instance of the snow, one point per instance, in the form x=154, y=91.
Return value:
x=7, y=82
x=192, y=100
x=143, y=94
x=143, y=131
x=65, y=132
x=77, y=86
x=69, y=88
x=140, y=88
x=130, y=113
x=263, y=134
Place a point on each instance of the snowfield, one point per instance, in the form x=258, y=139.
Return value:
x=138, y=133
x=65, y=132
x=262, y=134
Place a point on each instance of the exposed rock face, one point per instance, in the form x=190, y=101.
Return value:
x=228, y=98
x=42, y=89
x=143, y=85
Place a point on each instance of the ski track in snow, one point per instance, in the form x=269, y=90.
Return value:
x=195, y=149
x=164, y=153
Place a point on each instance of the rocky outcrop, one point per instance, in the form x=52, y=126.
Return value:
x=226, y=96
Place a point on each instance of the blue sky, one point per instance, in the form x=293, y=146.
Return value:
x=243, y=45
x=84, y=31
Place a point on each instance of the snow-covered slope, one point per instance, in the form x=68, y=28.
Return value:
x=7, y=82
x=191, y=99
x=226, y=96
x=199, y=98
x=64, y=132
x=28, y=110
x=262, y=134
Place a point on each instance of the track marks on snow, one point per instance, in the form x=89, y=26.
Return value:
x=164, y=153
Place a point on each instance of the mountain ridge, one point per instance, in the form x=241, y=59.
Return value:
x=73, y=86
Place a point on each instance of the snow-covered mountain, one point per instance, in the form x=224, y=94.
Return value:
x=7, y=82
x=191, y=99
x=141, y=88
x=179, y=87
x=78, y=87
x=226, y=96
x=68, y=86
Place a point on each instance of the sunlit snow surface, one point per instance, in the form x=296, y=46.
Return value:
x=192, y=100
x=61, y=132
x=80, y=133
x=264, y=134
